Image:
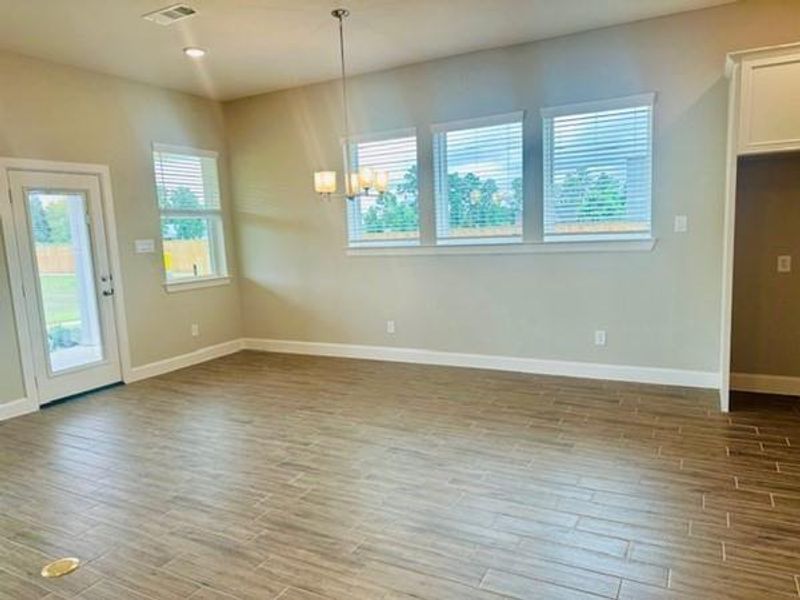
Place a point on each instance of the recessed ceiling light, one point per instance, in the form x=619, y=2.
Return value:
x=193, y=52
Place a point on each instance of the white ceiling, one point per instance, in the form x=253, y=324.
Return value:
x=261, y=45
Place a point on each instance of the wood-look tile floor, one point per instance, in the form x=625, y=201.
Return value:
x=262, y=476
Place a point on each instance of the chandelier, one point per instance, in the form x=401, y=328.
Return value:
x=364, y=181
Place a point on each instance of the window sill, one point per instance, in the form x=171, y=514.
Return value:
x=384, y=245
x=645, y=245
x=195, y=284
x=477, y=241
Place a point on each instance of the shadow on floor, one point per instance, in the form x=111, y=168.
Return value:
x=760, y=403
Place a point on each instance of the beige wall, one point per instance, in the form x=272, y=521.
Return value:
x=660, y=309
x=766, y=304
x=59, y=113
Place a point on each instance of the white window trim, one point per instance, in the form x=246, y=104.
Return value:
x=577, y=108
x=379, y=136
x=174, y=149
x=370, y=244
x=485, y=121
x=217, y=248
x=350, y=160
x=196, y=283
x=565, y=247
x=607, y=104
x=440, y=159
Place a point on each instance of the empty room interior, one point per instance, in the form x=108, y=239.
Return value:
x=399, y=299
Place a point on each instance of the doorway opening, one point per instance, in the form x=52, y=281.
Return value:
x=765, y=334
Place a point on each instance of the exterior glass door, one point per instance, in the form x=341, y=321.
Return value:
x=68, y=286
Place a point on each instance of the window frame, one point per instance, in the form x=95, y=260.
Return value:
x=353, y=208
x=214, y=216
x=610, y=104
x=439, y=133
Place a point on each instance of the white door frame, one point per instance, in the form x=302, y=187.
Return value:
x=729, y=229
x=12, y=250
x=736, y=105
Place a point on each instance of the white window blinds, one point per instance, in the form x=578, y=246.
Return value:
x=183, y=178
x=597, y=170
x=478, y=180
x=391, y=218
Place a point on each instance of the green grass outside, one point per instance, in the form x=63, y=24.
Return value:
x=60, y=297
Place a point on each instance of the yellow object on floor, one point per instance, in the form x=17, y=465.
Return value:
x=60, y=567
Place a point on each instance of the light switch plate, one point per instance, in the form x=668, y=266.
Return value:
x=681, y=223
x=145, y=246
x=600, y=337
x=785, y=264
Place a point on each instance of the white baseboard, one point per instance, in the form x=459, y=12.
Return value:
x=17, y=408
x=653, y=375
x=765, y=384
x=183, y=360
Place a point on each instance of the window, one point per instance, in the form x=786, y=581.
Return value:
x=597, y=170
x=187, y=187
x=391, y=218
x=478, y=180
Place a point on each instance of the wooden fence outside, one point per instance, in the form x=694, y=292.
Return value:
x=179, y=255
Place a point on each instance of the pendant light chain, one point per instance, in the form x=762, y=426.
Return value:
x=344, y=76
x=341, y=14
x=366, y=181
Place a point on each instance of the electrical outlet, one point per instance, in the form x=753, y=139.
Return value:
x=390, y=327
x=785, y=264
x=195, y=330
x=600, y=337
x=681, y=224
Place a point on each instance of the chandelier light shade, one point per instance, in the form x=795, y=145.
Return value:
x=381, y=181
x=365, y=181
x=352, y=186
x=366, y=178
x=325, y=182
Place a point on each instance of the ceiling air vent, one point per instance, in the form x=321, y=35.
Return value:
x=170, y=14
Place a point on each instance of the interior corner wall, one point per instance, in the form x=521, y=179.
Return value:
x=59, y=113
x=11, y=387
x=766, y=303
x=660, y=309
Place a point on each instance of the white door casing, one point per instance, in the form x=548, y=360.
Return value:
x=97, y=268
